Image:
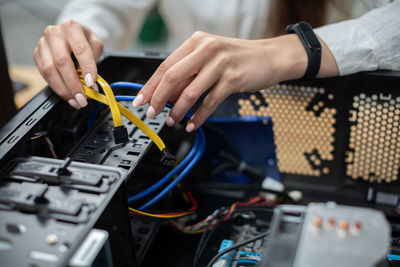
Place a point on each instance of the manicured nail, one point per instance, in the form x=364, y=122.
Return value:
x=170, y=121
x=189, y=127
x=74, y=104
x=95, y=87
x=138, y=101
x=81, y=100
x=151, y=112
x=89, y=80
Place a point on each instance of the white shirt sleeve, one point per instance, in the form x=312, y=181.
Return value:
x=367, y=43
x=115, y=22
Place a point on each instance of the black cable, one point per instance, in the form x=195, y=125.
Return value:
x=203, y=241
x=245, y=242
x=205, y=237
x=221, y=167
x=255, y=174
x=243, y=187
x=255, y=208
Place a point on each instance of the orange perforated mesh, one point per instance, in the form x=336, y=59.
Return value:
x=304, y=140
x=374, y=143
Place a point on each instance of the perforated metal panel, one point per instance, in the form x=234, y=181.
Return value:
x=374, y=142
x=303, y=129
x=330, y=130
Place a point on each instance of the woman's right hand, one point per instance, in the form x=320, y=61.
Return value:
x=53, y=57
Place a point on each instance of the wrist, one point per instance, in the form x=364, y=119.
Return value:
x=290, y=58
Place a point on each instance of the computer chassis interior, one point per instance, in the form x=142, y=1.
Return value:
x=308, y=168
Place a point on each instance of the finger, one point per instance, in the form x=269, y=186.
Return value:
x=220, y=91
x=207, y=77
x=148, y=89
x=77, y=41
x=180, y=88
x=178, y=73
x=36, y=58
x=96, y=44
x=170, y=121
x=97, y=48
x=45, y=64
x=61, y=54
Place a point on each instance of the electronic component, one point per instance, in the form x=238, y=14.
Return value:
x=252, y=253
x=60, y=203
x=326, y=235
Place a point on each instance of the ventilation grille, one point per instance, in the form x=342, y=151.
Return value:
x=303, y=126
x=374, y=143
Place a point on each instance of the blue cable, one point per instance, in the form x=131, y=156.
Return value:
x=113, y=86
x=171, y=174
x=128, y=85
x=393, y=257
x=190, y=160
x=247, y=261
x=182, y=175
x=124, y=98
x=93, y=117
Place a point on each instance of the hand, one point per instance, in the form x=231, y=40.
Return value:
x=53, y=57
x=226, y=65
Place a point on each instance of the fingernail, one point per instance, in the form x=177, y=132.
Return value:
x=74, y=104
x=151, y=113
x=138, y=100
x=89, y=80
x=189, y=127
x=81, y=100
x=170, y=121
x=95, y=87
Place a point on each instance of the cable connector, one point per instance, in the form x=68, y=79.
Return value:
x=120, y=134
x=167, y=159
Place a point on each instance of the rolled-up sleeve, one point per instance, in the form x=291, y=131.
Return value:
x=370, y=42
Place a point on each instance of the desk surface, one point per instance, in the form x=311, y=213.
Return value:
x=31, y=77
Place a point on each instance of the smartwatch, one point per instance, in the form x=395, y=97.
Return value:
x=311, y=45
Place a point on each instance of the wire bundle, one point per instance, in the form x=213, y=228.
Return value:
x=178, y=173
x=48, y=141
x=238, y=245
x=218, y=216
x=169, y=215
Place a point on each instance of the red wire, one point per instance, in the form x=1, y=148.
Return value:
x=234, y=205
x=193, y=208
x=190, y=196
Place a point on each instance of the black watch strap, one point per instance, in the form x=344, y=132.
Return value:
x=311, y=45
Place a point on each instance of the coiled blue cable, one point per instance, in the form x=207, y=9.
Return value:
x=182, y=175
x=127, y=85
x=185, y=166
x=171, y=174
x=116, y=85
x=190, y=157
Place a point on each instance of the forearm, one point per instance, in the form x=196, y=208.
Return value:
x=289, y=58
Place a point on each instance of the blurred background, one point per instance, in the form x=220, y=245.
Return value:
x=23, y=23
